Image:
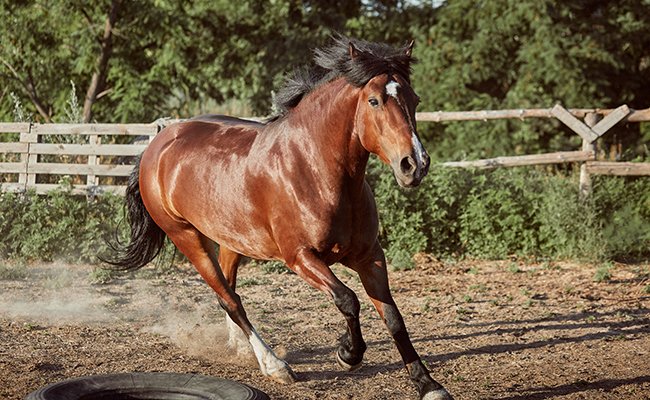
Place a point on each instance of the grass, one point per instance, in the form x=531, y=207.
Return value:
x=247, y=282
x=18, y=271
x=275, y=267
x=62, y=280
x=603, y=274
x=513, y=268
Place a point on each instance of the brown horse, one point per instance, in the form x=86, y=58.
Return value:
x=292, y=189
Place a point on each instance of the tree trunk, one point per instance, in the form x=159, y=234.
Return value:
x=98, y=80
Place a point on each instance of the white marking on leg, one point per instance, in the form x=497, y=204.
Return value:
x=269, y=362
x=237, y=340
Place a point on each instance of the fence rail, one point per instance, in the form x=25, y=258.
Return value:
x=27, y=161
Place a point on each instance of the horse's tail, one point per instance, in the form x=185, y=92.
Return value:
x=147, y=238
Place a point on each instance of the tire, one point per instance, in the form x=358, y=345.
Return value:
x=147, y=385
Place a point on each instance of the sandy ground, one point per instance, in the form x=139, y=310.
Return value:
x=487, y=330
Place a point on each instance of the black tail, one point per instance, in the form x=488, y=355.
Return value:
x=147, y=239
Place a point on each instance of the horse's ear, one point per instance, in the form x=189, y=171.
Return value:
x=353, y=52
x=409, y=50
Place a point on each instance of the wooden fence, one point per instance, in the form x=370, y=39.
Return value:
x=590, y=131
x=28, y=165
x=27, y=162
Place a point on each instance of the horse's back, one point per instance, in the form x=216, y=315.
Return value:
x=225, y=119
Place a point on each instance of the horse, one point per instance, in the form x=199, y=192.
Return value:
x=291, y=189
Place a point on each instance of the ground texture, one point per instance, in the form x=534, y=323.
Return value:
x=510, y=329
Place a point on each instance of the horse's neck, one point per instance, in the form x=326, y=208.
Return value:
x=328, y=117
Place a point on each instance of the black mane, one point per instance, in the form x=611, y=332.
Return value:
x=334, y=61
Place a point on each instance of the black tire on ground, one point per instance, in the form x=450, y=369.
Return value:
x=147, y=385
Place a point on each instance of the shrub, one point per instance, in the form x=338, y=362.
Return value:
x=454, y=213
x=57, y=226
x=521, y=211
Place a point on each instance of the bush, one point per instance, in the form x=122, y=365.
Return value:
x=523, y=211
x=516, y=211
x=57, y=226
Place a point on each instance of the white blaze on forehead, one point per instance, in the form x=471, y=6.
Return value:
x=391, y=88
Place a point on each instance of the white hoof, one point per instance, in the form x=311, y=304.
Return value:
x=270, y=364
x=440, y=394
x=285, y=375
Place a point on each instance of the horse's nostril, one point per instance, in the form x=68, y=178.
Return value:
x=407, y=165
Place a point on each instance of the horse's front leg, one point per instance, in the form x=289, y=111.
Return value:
x=374, y=277
x=315, y=272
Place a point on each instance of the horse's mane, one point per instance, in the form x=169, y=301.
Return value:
x=335, y=61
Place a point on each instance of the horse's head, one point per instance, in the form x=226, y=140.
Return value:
x=386, y=112
x=386, y=107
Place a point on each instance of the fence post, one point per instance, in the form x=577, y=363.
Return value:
x=591, y=119
x=92, y=180
x=28, y=158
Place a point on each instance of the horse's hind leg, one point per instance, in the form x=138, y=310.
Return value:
x=229, y=261
x=200, y=251
x=374, y=278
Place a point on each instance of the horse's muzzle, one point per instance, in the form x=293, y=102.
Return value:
x=411, y=170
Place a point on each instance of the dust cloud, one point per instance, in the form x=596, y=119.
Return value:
x=181, y=307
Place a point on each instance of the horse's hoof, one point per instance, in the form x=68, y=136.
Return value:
x=345, y=366
x=286, y=376
x=440, y=394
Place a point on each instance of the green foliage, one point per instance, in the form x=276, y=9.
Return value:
x=16, y=271
x=518, y=211
x=602, y=274
x=454, y=213
x=504, y=54
x=101, y=276
x=57, y=226
x=164, y=54
x=275, y=267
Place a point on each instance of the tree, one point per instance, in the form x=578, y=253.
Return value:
x=138, y=59
x=498, y=54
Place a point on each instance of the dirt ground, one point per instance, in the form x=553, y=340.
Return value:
x=487, y=330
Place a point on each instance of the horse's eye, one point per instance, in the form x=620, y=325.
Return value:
x=373, y=102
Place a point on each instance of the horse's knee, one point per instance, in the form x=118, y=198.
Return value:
x=347, y=302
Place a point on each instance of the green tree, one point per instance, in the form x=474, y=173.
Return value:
x=500, y=54
x=136, y=60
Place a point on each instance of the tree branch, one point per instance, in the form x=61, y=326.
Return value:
x=31, y=92
x=90, y=23
x=98, y=80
